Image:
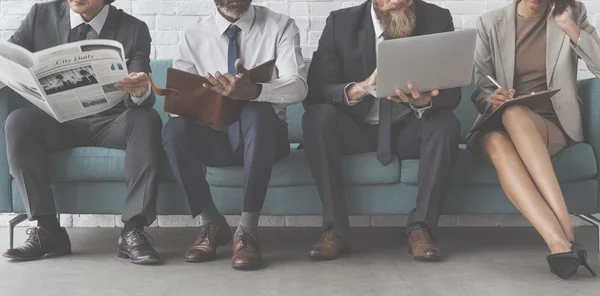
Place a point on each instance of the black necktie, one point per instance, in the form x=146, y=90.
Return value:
x=232, y=56
x=79, y=33
x=384, y=139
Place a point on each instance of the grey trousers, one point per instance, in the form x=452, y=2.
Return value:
x=32, y=134
x=329, y=133
x=191, y=145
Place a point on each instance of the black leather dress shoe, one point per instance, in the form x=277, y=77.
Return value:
x=134, y=245
x=41, y=243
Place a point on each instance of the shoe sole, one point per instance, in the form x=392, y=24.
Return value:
x=49, y=255
x=424, y=258
x=124, y=255
x=317, y=257
x=201, y=260
x=427, y=259
x=247, y=267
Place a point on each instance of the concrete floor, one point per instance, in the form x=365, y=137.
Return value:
x=479, y=261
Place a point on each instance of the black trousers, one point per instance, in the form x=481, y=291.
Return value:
x=329, y=133
x=31, y=134
x=191, y=145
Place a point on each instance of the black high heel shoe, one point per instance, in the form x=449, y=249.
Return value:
x=565, y=265
x=582, y=253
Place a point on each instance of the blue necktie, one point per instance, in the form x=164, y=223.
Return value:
x=232, y=56
x=384, y=139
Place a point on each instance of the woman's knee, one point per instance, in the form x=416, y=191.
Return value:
x=515, y=114
x=495, y=141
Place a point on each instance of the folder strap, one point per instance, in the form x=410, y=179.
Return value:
x=170, y=92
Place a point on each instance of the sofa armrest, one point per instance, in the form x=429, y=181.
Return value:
x=5, y=192
x=589, y=93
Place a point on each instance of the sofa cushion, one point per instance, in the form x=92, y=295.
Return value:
x=103, y=164
x=361, y=169
x=93, y=164
x=575, y=163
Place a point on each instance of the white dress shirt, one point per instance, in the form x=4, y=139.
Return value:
x=97, y=23
x=397, y=109
x=264, y=35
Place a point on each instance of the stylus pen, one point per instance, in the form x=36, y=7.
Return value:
x=494, y=81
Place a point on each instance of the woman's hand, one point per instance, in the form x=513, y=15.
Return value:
x=500, y=96
x=563, y=16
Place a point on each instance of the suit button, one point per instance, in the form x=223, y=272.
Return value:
x=556, y=106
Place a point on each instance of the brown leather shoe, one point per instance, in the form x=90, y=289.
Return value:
x=421, y=245
x=246, y=252
x=205, y=246
x=330, y=246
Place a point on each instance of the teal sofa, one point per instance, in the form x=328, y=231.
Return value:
x=90, y=180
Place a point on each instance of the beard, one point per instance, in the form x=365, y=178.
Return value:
x=233, y=8
x=396, y=26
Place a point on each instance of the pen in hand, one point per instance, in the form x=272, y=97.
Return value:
x=496, y=83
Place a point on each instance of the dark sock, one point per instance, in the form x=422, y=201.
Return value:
x=49, y=223
x=137, y=222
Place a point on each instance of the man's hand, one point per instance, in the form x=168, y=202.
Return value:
x=500, y=96
x=415, y=98
x=238, y=87
x=356, y=92
x=136, y=84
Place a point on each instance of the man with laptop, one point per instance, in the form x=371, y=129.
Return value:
x=342, y=118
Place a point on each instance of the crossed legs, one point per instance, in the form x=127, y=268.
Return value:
x=521, y=156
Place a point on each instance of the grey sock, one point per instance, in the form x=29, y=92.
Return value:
x=248, y=223
x=210, y=215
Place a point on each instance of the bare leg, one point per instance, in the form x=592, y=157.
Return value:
x=529, y=134
x=521, y=190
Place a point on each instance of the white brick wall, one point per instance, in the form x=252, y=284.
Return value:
x=166, y=18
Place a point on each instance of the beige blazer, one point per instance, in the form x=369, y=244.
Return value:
x=495, y=56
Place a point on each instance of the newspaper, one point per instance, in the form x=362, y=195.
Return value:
x=69, y=81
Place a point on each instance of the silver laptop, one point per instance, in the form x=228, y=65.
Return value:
x=435, y=61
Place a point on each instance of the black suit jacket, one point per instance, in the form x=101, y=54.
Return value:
x=346, y=54
x=49, y=24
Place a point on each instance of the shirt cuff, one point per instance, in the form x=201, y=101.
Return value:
x=140, y=100
x=419, y=111
x=346, y=100
x=575, y=46
x=265, y=93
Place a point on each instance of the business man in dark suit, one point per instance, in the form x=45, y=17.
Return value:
x=132, y=125
x=342, y=118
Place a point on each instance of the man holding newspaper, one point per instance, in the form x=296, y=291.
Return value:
x=89, y=100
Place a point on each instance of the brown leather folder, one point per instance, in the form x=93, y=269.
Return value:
x=185, y=96
x=494, y=118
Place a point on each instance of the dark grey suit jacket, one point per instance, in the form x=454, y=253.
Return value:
x=49, y=24
x=346, y=54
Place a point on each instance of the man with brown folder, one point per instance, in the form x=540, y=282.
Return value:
x=236, y=36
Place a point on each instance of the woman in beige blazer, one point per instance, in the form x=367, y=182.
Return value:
x=529, y=46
